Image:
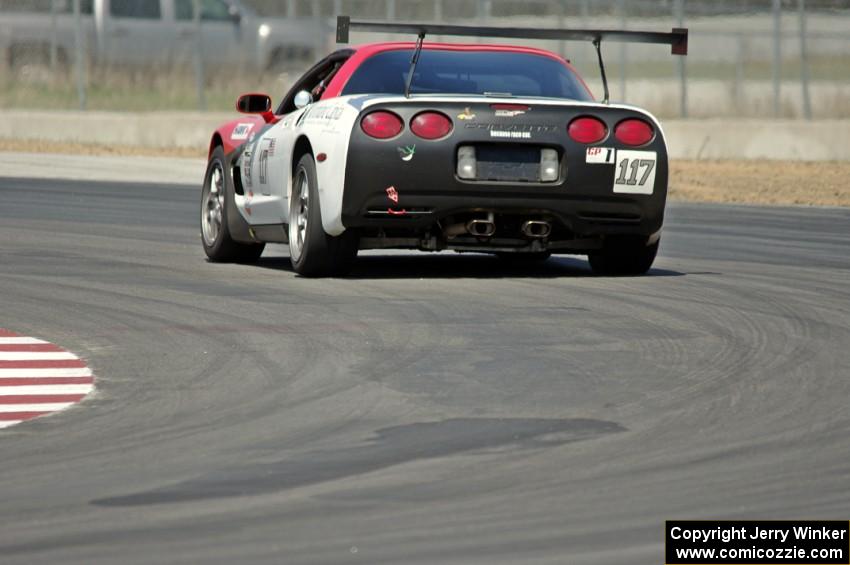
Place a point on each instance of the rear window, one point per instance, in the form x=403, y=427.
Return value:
x=467, y=72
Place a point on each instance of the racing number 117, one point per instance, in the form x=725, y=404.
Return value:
x=634, y=165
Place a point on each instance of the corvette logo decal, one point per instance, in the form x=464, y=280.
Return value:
x=406, y=153
x=466, y=115
x=515, y=128
x=392, y=194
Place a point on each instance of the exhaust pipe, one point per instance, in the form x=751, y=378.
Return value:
x=482, y=228
x=536, y=229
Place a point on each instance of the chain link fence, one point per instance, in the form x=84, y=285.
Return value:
x=752, y=58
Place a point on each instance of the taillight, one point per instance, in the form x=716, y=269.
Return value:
x=431, y=125
x=381, y=125
x=634, y=132
x=587, y=130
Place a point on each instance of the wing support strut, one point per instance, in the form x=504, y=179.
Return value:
x=413, y=60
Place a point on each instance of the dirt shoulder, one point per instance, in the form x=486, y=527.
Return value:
x=761, y=182
x=742, y=182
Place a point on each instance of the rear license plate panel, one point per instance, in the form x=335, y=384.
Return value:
x=514, y=163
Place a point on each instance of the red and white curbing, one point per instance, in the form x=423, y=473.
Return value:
x=38, y=378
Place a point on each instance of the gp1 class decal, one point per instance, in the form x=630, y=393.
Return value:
x=635, y=172
x=600, y=155
x=241, y=131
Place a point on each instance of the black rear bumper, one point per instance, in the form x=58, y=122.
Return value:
x=581, y=202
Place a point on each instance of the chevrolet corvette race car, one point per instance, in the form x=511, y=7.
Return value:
x=484, y=148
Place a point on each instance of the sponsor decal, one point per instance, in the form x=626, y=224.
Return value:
x=509, y=113
x=247, y=165
x=634, y=172
x=264, y=166
x=392, y=194
x=600, y=156
x=241, y=131
x=466, y=115
x=406, y=153
x=510, y=134
x=248, y=198
x=326, y=113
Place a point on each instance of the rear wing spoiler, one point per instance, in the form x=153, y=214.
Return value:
x=677, y=39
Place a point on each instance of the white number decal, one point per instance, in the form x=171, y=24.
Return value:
x=635, y=172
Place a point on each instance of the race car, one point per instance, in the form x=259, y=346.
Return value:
x=434, y=146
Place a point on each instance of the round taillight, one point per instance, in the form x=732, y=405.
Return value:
x=634, y=132
x=587, y=130
x=431, y=125
x=381, y=125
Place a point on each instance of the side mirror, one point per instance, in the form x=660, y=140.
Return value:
x=254, y=104
x=303, y=98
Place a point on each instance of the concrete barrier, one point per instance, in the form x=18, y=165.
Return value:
x=726, y=138
x=160, y=130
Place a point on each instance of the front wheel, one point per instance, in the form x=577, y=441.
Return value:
x=623, y=257
x=313, y=252
x=215, y=235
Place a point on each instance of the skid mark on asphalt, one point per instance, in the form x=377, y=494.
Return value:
x=389, y=447
x=38, y=378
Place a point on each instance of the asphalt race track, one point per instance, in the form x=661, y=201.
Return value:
x=429, y=408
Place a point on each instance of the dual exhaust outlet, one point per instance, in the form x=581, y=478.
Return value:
x=533, y=229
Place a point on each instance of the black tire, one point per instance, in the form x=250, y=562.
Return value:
x=524, y=258
x=313, y=252
x=215, y=234
x=623, y=256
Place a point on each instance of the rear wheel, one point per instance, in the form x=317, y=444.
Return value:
x=215, y=235
x=623, y=256
x=313, y=252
